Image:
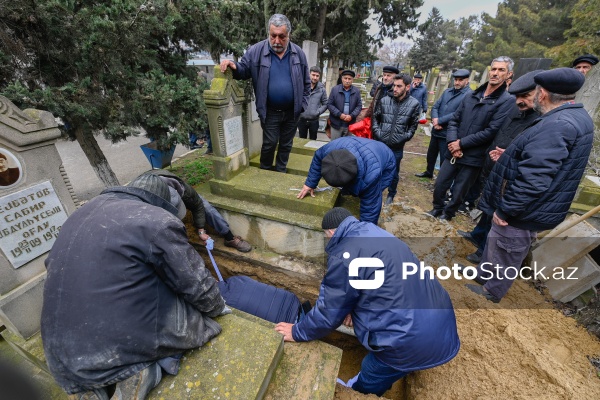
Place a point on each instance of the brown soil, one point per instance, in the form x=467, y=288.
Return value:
x=522, y=348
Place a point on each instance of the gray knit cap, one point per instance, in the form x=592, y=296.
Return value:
x=334, y=217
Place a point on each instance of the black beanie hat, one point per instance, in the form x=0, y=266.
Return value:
x=334, y=217
x=152, y=184
x=339, y=167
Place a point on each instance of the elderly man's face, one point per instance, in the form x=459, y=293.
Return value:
x=525, y=100
x=388, y=78
x=499, y=73
x=583, y=67
x=347, y=81
x=278, y=38
x=3, y=164
x=417, y=81
x=460, y=83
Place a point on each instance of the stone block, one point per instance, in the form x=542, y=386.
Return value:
x=570, y=246
x=585, y=275
x=292, y=380
x=237, y=364
x=225, y=168
x=21, y=309
x=587, y=196
x=274, y=189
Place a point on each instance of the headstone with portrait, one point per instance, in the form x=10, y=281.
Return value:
x=35, y=200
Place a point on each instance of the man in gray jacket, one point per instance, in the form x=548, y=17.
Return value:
x=317, y=104
x=395, y=122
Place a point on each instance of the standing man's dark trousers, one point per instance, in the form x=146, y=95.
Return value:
x=393, y=188
x=463, y=177
x=437, y=146
x=310, y=127
x=279, y=127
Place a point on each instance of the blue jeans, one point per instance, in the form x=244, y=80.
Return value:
x=375, y=376
x=393, y=188
x=279, y=128
x=214, y=218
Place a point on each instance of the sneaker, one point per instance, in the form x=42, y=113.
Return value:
x=389, y=200
x=468, y=236
x=97, y=394
x=239, y=244
x=424, y=175
x=480, y=290
x=138, y=386
x=435, y=212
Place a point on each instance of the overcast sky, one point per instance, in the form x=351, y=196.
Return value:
x=454, y=9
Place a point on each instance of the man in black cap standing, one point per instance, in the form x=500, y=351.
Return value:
x=419, y=91
x=441, y=113
x=520, y=118
x=344, y=105
x=585, y=63
x=532, y=185
x=361, y=167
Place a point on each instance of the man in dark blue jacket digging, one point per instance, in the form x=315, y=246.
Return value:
x=406, y=323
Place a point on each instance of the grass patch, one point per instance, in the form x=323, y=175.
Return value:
x=194, y=170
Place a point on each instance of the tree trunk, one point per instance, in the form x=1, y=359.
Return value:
x=94, y=154
x=267, y=12
x=320, y=32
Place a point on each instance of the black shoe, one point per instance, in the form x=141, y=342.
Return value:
x=138, y=386
x=482, y=292
x=475, y=258
x=424, y=175
x=389, y=200
x=477, y=279
x=445, y=217
x=435, y=212
x=468, y=236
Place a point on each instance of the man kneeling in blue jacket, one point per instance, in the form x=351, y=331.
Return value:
x=407, y=323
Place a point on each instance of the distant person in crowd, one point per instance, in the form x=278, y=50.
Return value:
x=585, y=63
x=407, y=324
x=8, y=176
x=381, y=89
x=419, y=91
x=203, y=213
x=281, y=83
x=317, y=104
x=339, y=79
x=519, y=119
x=470, y=132
x=534, y=181
x=395, y=122
x=126, y=294
x=441, y=113
x=360, y=167
x=344, y=105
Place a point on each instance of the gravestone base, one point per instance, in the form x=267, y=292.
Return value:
x=21, y=309
x=226, y=168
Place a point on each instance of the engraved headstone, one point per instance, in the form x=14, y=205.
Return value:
x=35, y=199
x=234, y=135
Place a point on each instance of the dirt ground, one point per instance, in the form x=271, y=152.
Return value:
x=522, y=348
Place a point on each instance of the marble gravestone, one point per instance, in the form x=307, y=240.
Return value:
x=35, y=200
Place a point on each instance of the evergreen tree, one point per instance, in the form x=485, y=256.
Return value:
x=427, y=51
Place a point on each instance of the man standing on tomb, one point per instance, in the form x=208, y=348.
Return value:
x=281, y=83
x=126, y=294
x=406, y=323
x=533, y=183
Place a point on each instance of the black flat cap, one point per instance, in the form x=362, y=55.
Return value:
x=334, y=217
x=461, y=73
x=391, y=69
x=339, y=167
x=348, y=72
x=560, y=80
x=525, y=83
x=418, y=75
x=590, y=58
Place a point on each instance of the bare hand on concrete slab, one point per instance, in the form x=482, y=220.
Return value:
x=286, y=330
x=306, y=190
